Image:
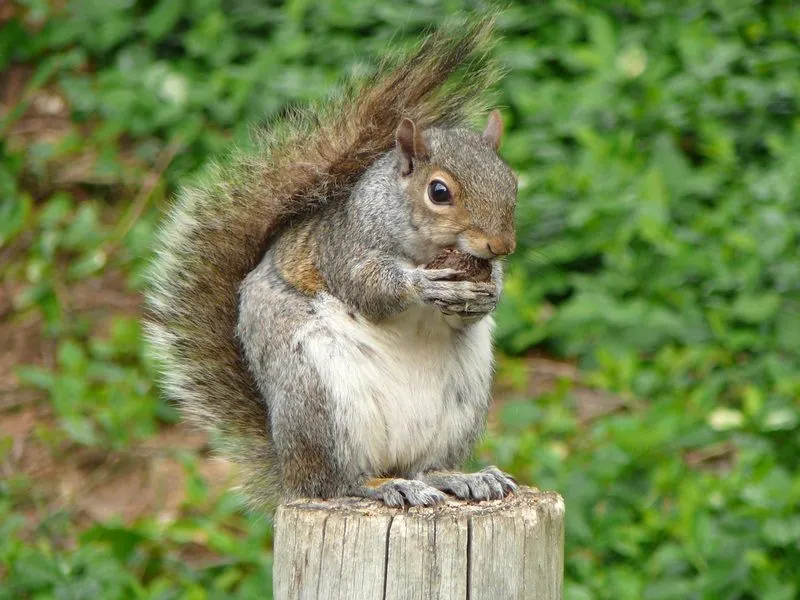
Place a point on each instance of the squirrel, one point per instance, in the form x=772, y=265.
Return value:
x=289, y=304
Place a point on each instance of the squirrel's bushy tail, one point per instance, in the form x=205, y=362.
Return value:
x=215, y=234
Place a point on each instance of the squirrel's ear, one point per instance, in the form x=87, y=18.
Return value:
x=494, y=129
x=410, y=144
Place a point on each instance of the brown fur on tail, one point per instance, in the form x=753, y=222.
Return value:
x=216, y=233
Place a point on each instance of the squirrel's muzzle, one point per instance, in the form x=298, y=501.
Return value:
x=500, y=246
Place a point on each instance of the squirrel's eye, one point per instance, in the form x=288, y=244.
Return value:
x=438, y=193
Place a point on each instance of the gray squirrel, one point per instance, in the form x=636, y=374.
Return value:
x=290, y=307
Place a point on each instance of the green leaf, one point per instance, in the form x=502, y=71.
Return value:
x=71, y=356
x=36, y=377
x=162, y=19
x=14, y=213
x=80, y=429
x=756, y=308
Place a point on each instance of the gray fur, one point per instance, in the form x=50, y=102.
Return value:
x=370, y=256
x=226, y=324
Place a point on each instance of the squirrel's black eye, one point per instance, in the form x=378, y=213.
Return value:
x=438, y=193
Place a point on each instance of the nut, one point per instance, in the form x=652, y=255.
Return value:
x=473, y=268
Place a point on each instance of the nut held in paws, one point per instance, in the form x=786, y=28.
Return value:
x=474, y=268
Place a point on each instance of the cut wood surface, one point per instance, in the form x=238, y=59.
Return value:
x=358, y=549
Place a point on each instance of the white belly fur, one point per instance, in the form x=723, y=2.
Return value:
x=394, y=383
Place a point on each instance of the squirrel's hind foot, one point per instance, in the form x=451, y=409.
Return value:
x=407, y=492
x=488, y=484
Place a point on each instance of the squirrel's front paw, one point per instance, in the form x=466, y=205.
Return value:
x=407, y=492
x=456, y=297
x=488, y=484
x=475, y=300
x=474, y=308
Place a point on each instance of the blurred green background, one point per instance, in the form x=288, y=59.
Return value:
x=650, y=330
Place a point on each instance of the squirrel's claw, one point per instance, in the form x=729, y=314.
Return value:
x=471, y=300
x=456, y=292
x=475, y=308
x=407, y=492
x=488, y=484
x=468, y=298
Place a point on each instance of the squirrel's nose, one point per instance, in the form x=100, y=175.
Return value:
x=501, y=246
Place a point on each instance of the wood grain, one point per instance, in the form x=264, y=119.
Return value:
x=353, y=549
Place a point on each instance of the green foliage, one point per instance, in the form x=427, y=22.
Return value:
x=658, y=147
x=101, y=395
x=145, y=560
x=657, y=144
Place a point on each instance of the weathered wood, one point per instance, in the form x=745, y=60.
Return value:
x=353, y=549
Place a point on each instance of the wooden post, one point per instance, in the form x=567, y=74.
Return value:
x=353, y=549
